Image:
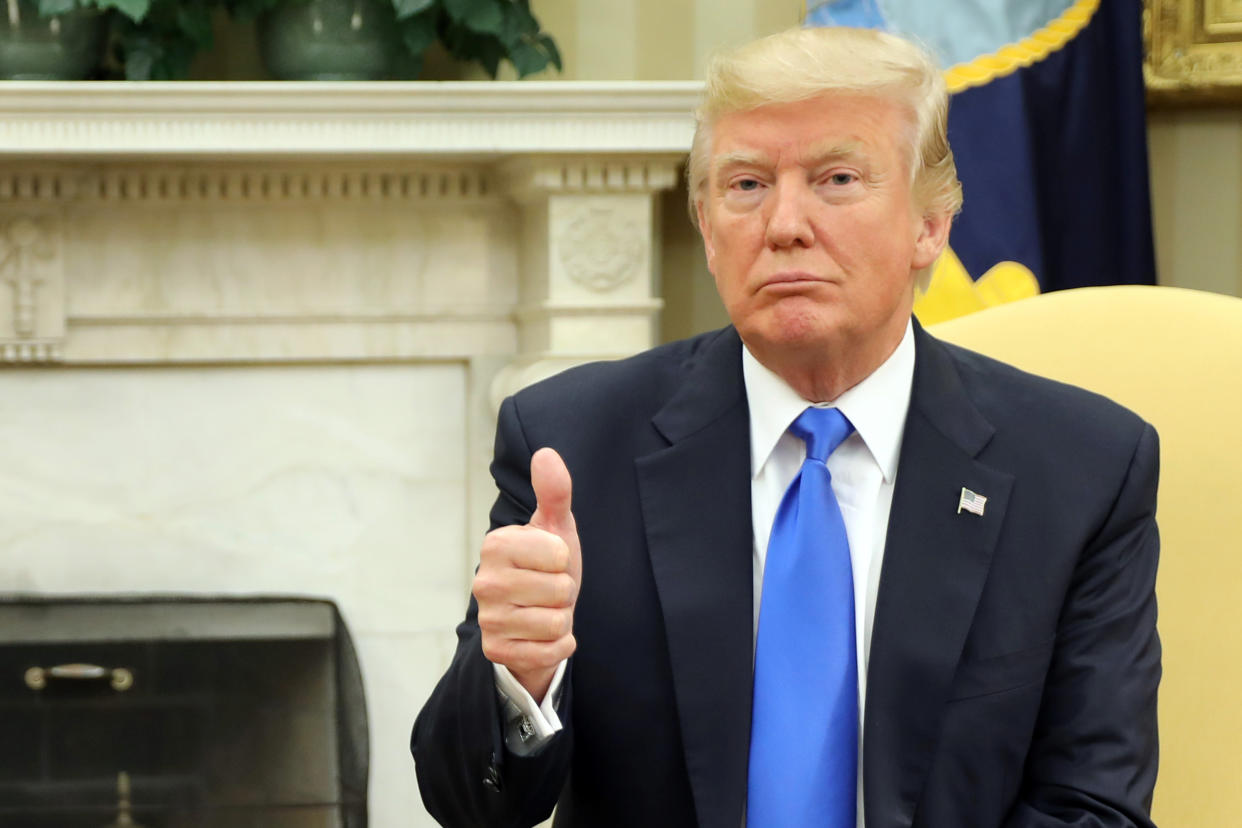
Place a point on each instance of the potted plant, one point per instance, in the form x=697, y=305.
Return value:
x=157, y=39
x=50, y=39
x=369, y=39
x=483, y=31
x=66, y=39
x=299, y=39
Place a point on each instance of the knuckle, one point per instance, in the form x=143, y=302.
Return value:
x=489, y=619
x=498, y=545
x=483, y=587
x=564, y=589
x=555, y=593
x=489, y=588
x=493, y=542
x=527, y=657
x=559, y=557
x=495, y=650
x=533, y=625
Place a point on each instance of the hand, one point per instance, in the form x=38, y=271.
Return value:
x=527, y=582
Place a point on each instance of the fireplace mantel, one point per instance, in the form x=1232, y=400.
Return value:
x=252, y=335
x=262, y=119
x=547, y=188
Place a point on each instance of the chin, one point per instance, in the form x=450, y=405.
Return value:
x=791, y=329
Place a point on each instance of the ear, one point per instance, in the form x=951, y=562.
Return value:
x=705, y=230
x=933, y=234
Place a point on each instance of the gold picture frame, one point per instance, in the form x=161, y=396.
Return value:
x=1192, y=51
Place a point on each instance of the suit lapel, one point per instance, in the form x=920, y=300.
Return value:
x=695, y=497
x=936, y=561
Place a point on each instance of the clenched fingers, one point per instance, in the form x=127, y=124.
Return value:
x=526, y=623
x=527, y=657
x=525, y=547
x=525, y=588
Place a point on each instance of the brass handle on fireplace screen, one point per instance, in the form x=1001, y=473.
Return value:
x=119, y=678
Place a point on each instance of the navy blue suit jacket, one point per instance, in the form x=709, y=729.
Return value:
x=1014, y=658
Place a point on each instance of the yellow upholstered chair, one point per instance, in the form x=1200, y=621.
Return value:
x=1175, y=357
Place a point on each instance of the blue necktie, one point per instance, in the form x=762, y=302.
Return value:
x=804, y=720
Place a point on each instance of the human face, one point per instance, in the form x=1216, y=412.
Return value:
x=811, y=230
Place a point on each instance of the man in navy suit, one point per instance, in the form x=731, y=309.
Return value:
x=1000, y=526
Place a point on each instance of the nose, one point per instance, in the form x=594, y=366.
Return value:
x=789, y=219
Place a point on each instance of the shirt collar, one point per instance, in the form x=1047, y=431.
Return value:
x=877, y=406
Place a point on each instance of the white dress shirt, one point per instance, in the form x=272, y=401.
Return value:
x=863, y=469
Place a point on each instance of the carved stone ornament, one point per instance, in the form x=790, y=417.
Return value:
x=273, y=182
x=30, y=269
x=600, y=250
x=1192, y=51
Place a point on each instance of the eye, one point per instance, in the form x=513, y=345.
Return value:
x=841, y=178
x=747, y=185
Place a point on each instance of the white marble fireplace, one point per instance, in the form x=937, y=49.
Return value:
x=252, y=336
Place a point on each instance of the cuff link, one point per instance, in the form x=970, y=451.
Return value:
x=491, y=776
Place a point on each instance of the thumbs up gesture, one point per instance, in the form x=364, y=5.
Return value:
x=527, y=582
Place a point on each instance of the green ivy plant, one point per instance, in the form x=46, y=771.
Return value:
x=149, y=39
x=157, y=39
x=485, y=31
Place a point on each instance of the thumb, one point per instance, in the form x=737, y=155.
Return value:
x=553, y=496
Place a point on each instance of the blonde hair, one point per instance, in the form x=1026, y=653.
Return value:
x=799, y=64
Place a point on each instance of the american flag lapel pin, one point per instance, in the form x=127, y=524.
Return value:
x=971, y=502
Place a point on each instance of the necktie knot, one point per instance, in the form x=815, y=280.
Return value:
x=822, y=429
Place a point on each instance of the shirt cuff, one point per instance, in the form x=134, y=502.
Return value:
x=528, y=726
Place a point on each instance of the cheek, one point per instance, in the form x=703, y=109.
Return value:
x=729, y=281
x=875, y=249
x=726, y=258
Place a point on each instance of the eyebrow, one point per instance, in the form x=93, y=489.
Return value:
x=818, y=156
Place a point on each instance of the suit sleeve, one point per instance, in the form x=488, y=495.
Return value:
x=465, y=774
x=1093, y=760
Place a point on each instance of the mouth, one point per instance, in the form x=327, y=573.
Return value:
x=792, y=280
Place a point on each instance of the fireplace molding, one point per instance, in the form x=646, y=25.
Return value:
x=560, y=179
x=423, y=249
x=234, y=118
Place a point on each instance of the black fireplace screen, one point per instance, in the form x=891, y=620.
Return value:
x=180, y=713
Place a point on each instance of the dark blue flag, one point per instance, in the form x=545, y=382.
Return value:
x=1047, y=123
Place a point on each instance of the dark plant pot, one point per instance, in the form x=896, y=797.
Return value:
x=63, y=47
x=329, y=40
